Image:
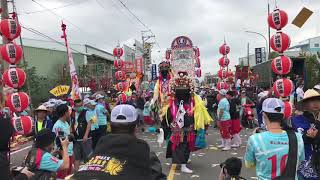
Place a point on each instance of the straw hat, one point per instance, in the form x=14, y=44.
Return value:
x=310, y=94
x=41, y=108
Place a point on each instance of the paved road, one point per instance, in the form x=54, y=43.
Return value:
x=205, y=163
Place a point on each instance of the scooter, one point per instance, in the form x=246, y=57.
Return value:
x=248, y=115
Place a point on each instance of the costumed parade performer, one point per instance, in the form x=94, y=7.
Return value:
x=160, y=101
x=186, y=119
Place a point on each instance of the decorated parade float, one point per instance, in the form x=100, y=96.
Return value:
x=183, y=114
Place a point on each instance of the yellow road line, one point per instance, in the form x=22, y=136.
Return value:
x=172, y=172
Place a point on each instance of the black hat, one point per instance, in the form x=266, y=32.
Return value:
x=44, y=138
x=117, y=157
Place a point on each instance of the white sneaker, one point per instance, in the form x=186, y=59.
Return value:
x=185, y=169
x=223, y=142
x=227, y=146
x=235, y=145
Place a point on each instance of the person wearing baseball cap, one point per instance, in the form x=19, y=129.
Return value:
x=267, y=149
x=101, y=115
x=121, y=155
x=91, y=118
x=224, y=121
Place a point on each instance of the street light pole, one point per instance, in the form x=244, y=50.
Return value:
x=266, y=50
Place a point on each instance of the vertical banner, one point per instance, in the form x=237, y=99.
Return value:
x=139, y=68
x=75, y=92
x=154, y=72
x=260, y=55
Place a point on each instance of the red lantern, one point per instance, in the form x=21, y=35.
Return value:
x=222, y=74
x=122, y=98
x=287, y=110
x=118, y=64
x=14, y=77
x=120, y=75
x=10, y=29
x=118, y=52
x=224, y=49
x=277, y=19
x=197, y=64
x=281, y=65
x=22, y=124
x=168, y=54
x=222, y=85
x=198, y=72
x=280, y=42
x=283, y=87
x=230, y=73
x=121, y=86
x=224, y=62
x=17, y=102
x=11, y=52
x=197, y=52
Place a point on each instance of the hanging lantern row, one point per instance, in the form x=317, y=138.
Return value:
x=224, y=73
x=280, y=42
x=13, y=77
x=118, y=64
x=120, y=75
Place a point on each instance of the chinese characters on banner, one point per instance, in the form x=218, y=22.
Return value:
x=260, y=55
x=154, y=72
x=139, y=67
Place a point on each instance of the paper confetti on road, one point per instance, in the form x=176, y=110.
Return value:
x=195, y=176
x=215, y=165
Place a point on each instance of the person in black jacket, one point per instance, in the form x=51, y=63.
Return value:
x=121, y=155
x=234, y=102
x=7, y=131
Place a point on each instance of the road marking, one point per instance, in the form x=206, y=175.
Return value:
x=172, y=172
x=20, y=150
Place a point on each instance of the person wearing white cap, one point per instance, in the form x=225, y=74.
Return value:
x=224, y=121
x=91, y=117
x=101, y=115
x=269, y=151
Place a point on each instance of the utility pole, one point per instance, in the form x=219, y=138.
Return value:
x=145, y=38
x=268, y=33
x=248, y=54
x=4, y=66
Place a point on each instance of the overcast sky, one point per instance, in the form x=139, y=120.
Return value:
x=206, y=22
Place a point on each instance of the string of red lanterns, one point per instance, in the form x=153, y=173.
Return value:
x=224, y=62
x=281, y=65
x=14, y=77
x=120, y=75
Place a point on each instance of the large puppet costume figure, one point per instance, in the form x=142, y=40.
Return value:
x=186, y=120
x=161, y=93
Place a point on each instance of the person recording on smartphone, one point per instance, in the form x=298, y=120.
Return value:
x=40, y=160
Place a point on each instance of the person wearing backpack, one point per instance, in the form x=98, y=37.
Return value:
x=274, y=153
x=41, y=162
x=81, y=130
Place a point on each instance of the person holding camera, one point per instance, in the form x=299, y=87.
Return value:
x=40, y=160
x=62, y=130
x=231, y=169
x=275, y=153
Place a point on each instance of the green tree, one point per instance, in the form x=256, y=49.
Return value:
x=312, y=70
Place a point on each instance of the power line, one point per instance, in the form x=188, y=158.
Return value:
x=34, y=31
x=63, y=18
x=140, y=21
x=60, y=7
